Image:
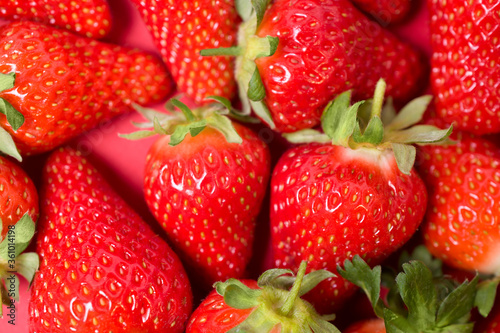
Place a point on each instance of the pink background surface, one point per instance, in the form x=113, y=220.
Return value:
x=122, y=161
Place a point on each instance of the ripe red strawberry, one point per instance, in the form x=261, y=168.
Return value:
x=206, y=191
x=465, y=76
x=18, y=195
x=266, y=305
x=463, y=179
x=102, y=268
x=299, y=54
x=385, y=11
x=358, y=195
x=491, y=324
x=91, y=18
x=18, y=212
x=367, y=326
x=181, y=29
x=66, y=84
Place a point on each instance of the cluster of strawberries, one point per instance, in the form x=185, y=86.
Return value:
x=343, y=198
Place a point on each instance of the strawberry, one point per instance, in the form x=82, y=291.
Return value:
x=297, y=55
x=385, y=11
x=423, y=302
x=206, y=190
x=367, y=326
x=465, y=77
x=462, y=226
x=180, y=29
x=492, y=323
x=102, y=267
x=18, y=211
x=91, y=18
x=266, y=305
x=352, y=192
x=18, y=195
x=79, y=83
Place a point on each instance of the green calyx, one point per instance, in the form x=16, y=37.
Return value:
x=14, y=118
x=421, y=299
x=179, y=124
x=371, y=124
x=250, y=47
x=277, y=303
x=14, y=262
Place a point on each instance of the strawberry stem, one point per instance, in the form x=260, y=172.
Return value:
x=378, y=98
x=223, y=51
x=294, y=292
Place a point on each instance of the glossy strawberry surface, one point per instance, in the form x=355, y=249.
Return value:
x=206, y=193
x=91, y=18
x=329, y=203
x=465, y=38
x=18, y=195
x=385, y=11
x=325, y=48
x=80, y=83
x=102, y=268
x=462, y=225
x=181, y=29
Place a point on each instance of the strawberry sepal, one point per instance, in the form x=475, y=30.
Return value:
x=14, y=117
x=277, y=302
x=179, y=124
x=251, y=88
x=361, y=125
x=14, y=262
x=8, y=146
x=432, y=302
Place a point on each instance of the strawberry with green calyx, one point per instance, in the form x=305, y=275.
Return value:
x=430, y=306
x=273, y=304
x=18, y=195
x=18, y=211
x=287, y=79
x=205, y=180
x=80, y=83
x=359, y=195
x=13, y=261
x=179, y=124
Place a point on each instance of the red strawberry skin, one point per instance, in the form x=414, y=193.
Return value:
x=329, y=203
x=102, y=268
x=385, y=11
x=327, y=47
x=367, y=326
x=462, y=225
x=181, y=29
x=18, y=195
x=90, y=18
x=66, y=84
x=206, y=194
x=465, y=71
x=214, y=315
